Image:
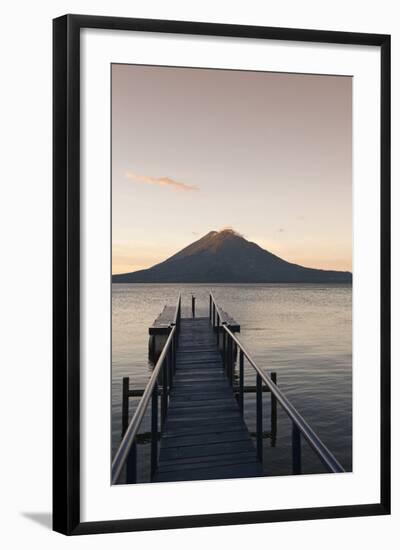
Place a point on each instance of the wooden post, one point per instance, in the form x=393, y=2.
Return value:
x=125, y=404
x=227, y=349
x=170, y=364
x=175, y=349
x=296, y=449
x=210, y=308
x=193, y=306
x=178, y=317
x=131, y=465
x=241, y=382
x=259, y=418
x=154, y=430
x=164, y=395
x=224, y=349
x=173, y=352
x=274, y=415
x=230, y=359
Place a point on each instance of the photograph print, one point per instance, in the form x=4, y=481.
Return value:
x=231, y=274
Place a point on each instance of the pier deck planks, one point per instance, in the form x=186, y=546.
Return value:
x=204, y=435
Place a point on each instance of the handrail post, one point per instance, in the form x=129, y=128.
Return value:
x=274, y=415
x=175, y=349
x=154, y=430
x=230, y=361
x=210, y=307
x=178, y=315
x=234, y=360
x=259, y=418
x=296, y=449
x=241, y=382
x=125, y=404
x=131, y=464
x=193, y=306
x=164, y=395
x=174, y=345
x=170, y=364
x=218, y=329
x=224, y=350
x=228, y=357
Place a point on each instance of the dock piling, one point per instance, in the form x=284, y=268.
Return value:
x=274, y=415
x=259, y=422
x=131, y=469
x=125, y=404
x=296, y=449
x=241, y=382
x=154, y=430
x=164, y=395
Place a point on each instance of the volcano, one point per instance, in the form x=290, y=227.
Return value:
x=227, y=257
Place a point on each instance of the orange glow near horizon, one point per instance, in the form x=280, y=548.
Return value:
x=128, y=258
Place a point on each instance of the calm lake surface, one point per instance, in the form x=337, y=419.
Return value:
x=303, y=332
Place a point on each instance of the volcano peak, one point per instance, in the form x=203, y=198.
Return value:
x=225, y=256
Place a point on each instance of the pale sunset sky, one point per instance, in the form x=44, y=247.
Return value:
x=196, y=150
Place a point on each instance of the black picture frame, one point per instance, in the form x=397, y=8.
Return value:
x=66, y=273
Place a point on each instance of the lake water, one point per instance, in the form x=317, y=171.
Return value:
x=302, y=332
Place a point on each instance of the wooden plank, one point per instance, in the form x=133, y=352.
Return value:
x=198, y=426
x=212, y=472
x=163, y=321
x=207, y=375
x=192, y=420
x=201, y=428
x=188, y=387
x=213, y=449
x=200, y=462
x=204, y=376
x=204, y=439
x=198, y=363
x=191, y=463
x=192, y=396
x=199, y=403
x=230, y=321
x=179, y=401
x=208, y=409
x=204, y=435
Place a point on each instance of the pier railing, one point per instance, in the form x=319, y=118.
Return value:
x=162, y=375
x=231, y=345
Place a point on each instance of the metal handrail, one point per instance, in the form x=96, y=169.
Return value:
x=218, y=309
x=134, y=425
x=314, y=441
x=177, y=315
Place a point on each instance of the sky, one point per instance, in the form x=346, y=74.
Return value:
x=196, y=150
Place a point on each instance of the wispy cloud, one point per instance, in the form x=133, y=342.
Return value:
x=164, y=181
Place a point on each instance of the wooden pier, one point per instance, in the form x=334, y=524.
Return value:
x=204, y=436
x=196, y=396
x=159, y=331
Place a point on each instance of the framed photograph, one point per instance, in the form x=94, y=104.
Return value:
x=221, y=274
